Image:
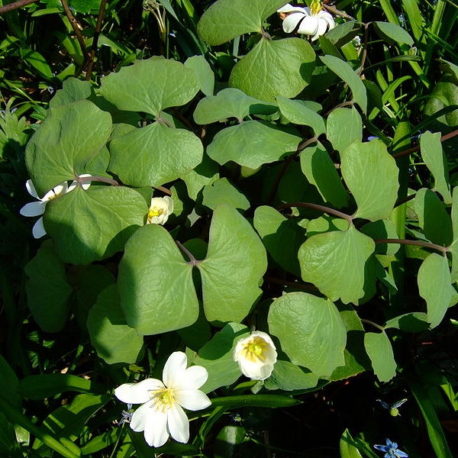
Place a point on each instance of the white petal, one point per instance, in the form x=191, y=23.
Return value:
x=156, y=434
x=322, y=27
x=31, y=189
x=137, y=393
x=255, y=370
x=38, y=229
x=33, y=209
x=86, y=185
x=169, y=202
x=174, y=369
x=291, y=21
x=328, y=18
x=61, y=188
x=192, y=399
x=193, y=378
x=290, y=8
x=264, y=336
x=140, y=417
x=178, y=424
x=309, y=26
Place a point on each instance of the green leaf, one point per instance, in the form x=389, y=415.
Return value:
x=288, y=377
x=72, y=91
x=382, y=229
x=85, y=6
x=431, y=153
x=155, y=283
x=204, y=174
x=409, y=322
x=320, y=171
x=90, y=225
x=310, y=330
x=345, y=72
x=444, y=95
x=272, y=68
x=223, y=192
x=232, y=271
x=251, y=144
x=113, y=340
x=150, y=86
x=217, y=357
x=394, y=32
x=434, y=285
x=380, y=352
x=347, y=446
x=227, y=19
x=46, y=385
x=203, y=72
x=433, y=217
x=47, y=289
x=10, y=384
x=344, y=126
x=371, y=174
x=454, y=246
x=297, y=112
x=335, y=263
x=230, y=103
x=433, y=424
x=154, y=155
x=271, y=401
x=281, y=236
x=71, y=136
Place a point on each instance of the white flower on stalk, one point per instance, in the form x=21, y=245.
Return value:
x=161, y=414
x=308, y=21
x=33, y=209
x=38, y=208
x=256, y=355
x=159, y=210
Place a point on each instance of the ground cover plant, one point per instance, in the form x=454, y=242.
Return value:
x=229, y=228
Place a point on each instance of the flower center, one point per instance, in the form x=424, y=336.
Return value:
x=315, y=7
x=155, y=211
x=255, y=349
x=163, y=398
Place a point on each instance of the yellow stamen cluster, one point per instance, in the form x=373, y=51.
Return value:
x=155, y=211
x=163, y=399
x=315, y=7
x=255, y=349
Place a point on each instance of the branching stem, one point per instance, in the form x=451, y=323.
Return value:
x=375, y=325
x=192, y=260
x=417, y=147
x=15, y=5
x=95, y=39
x=328, y=210
x=433, y=246
x=111, y=181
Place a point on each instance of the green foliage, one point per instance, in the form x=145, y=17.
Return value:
x=289, y=218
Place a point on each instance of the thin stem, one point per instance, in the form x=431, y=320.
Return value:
x=364, y=53
x=328, y=210
x=381, y=328
x=333, y=10
x=111, y=181
x=15, y=5
x=192, y=260
x=95, y=40
x=163, y=189
x=417, y=147
x=287, y=163
x=433, y=246
x=340, y=105
x=76, y=28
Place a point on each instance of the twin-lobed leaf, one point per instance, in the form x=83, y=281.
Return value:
x=90, y=225
x=380, y=352
x=274, y=67
x=154, y=155
x=251, y=144
x=70, y=138
x=344, y=126
x=227, y=19
x=371, y=174
x=310, y=330
x=150, y=86
x=297, y=112
x=335, y=263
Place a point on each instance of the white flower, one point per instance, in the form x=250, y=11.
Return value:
x=312, y=21
x=33, y=209
x=159, y=210
x=84, y=184
x=38, y=208
x=256, y=355
x=161, y=414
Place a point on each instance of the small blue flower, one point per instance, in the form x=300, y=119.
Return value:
x=391, y=450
